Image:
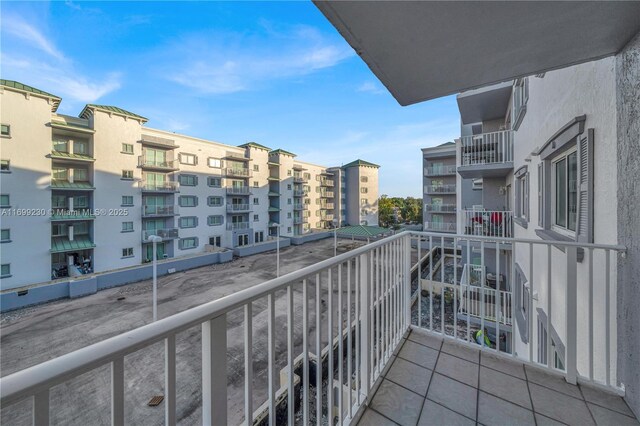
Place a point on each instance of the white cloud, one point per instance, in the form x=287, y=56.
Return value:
x=370, y=87
x=38, y=62
x=219, y=63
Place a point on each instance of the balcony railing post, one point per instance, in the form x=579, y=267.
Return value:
x=407, y=280
x=572, y=313
x=365, y=313
x=214, y=371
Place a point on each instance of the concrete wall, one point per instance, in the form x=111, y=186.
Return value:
x=28, y=253
x=315, y=236
x=261, y=247
x=90, y=284
x=628, y=158
x=554, y=100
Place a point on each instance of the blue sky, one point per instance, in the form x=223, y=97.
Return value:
x=272, y=72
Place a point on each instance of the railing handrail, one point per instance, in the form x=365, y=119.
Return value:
x=55, y=371
x=487, y=133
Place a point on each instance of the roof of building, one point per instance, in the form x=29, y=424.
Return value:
x=359, y=163
x=282, y=151
x=447, y=144
x=254, y=145
x=62, y=244
x=24, y=88
x=110, y=109
x=363, y=231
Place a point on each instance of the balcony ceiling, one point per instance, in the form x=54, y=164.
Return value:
x=425, y=50
x=487, y=103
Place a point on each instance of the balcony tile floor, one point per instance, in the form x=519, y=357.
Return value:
x=431, y=382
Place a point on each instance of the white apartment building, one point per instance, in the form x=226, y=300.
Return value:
x=83, y=194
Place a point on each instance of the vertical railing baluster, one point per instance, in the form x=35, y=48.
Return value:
x=530, y=305
x=419, y=282
x=290, y=347
x=482, y=293
x=40, y=415
x=442, y=285
x=365, y=324
x=318, y=353
x=378, y=312
x=330, y=348
x=305, y=353
x=117, y=393
x=468, y=297
x=497, y=301
x=572, y=315
x=607, y=315
x=358, y=314
x=406, y=286
x=170, y=380
x=371, y=313
x=349, y=343
x=455, y=283
x=214, y=370
x=430, y=283
x=590, y=314
x=340, y=347
x=248, y=363
x=271, y=370
x=549, y=313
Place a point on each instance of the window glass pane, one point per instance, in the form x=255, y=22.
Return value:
x=572, y=190
x=6, y=269
x=80, y=147
x=58, y=201
x=80, y=174
x=59, y=174
x=4, y=200
x=80, y=228
x=561, y=193
x=60, y=145
x=5, y=234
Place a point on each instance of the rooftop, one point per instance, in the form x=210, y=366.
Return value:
x=86, y=112
x=254, y=145
x=28, y=89
x=360, y=163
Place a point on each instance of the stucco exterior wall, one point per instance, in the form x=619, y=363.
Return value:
x=628, y=219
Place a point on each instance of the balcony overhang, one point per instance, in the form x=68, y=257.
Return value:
x=486, y=103
x=425, y=50
x=485, y=170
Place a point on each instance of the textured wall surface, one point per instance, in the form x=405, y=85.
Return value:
x=628, y=119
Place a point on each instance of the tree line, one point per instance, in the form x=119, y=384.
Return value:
x=396, y=210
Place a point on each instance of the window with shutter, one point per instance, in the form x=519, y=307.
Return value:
x=585, y=188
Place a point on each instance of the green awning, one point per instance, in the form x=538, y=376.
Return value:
x=273, y=194
x=363, y=231
x=63, y=184
x=63, y=244
x=71, y=127
x=273, y=178
x=67, y=156
x=274, y=209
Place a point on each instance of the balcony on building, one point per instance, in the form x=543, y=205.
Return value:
x=159, y=164
x=71, y=178
x=298, y=193
x=236, y=156
x=238, y=172
x=488, y=223
x=71, y=149
x=159, y=210
x=297, y=206
x=442, y=170
x=440, y=208
x=238, y=190
x=157, y=142
x=165, y=233
x=327, y=194
x=162, y=187
x=440, y=226
x=237, y=226
x=440, y=189
x=238, y=207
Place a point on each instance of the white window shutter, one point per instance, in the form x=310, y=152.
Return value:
x=585, y=189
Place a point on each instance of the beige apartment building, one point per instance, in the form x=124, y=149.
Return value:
x=83, y=194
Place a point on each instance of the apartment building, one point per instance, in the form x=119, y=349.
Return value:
x=84, y=194
x=439, y=183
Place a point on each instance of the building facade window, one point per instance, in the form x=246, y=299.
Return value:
x=256, y=184
x=256, y=201
x=256, y=218
x=5, y=270
x=126, y=174
x=127, y=148
x=188, y=243
x=214, y=162
x=215, y=220
x=127, y=252
x=258, y=237
x=363, y=202
x=364, y=190
x=522, y=196
x=214, y=182
x=5, y=236
x=288, y=229
x=188, y=180
x=5, y=201
x=256, y=168
x=127, y=200
x=5, y=130
x=364, y=179
x=289, y=186
x=188, y=222
x=188, y=159
x=214, y=201
x=188, y=201
x=521, y=290
x=215, y=241
x=5, y=166
x=289, y=215
x=82, y=175
x=127, y=226
x=564, y=204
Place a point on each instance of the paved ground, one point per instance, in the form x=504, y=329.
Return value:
x=34, y=335
x=435, y=383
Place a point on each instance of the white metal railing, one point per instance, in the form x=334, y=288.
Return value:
x=357, y=302
x=488, y=223
x=143, y=161
x=238, y=172
x=239, y=190
x=360, y=303
x=154, y=210
x=530, y=288
x=440, y=189
x=232, y=226
x=440, y=170
x=442, y=208
x=487, y=148
x=440, y=226
x=168, y=186
x=165, y=233
x=238, y=207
